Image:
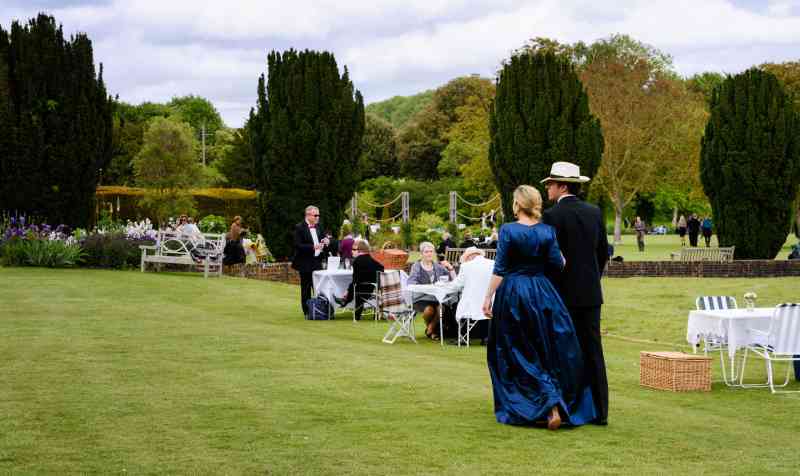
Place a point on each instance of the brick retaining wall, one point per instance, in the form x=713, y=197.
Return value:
x=705, y=269
x=283, y=272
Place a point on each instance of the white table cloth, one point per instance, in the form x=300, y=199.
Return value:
x=731, y=325
x=334, y=282
x=441, y=292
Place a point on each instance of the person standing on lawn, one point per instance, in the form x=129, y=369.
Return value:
x=694, y=229
x=309, y=246
x=641, y=229
x=707, y=227
x=581, y=235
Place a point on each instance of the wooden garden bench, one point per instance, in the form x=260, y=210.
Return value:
x=173, y=247
x=453, y=254
x=721, y=255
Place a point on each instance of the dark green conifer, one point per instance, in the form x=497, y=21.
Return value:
x=306, y=134
x=540, y=115
x=750, y=163
x=55, y=123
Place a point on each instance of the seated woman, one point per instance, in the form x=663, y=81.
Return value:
x=365, y=276
x=427, y=271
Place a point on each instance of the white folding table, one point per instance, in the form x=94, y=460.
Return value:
x=728, y=325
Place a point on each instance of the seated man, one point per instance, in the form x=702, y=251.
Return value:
x=365, y=276
x=473, y=280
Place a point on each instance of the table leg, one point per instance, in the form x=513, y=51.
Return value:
x=441, y=319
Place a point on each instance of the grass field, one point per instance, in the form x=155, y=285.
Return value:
x=130, y=373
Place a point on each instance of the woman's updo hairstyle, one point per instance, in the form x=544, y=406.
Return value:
x=528, y=200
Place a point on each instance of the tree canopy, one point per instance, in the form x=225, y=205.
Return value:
x=750, y=163
x=424, y=139
x=55, y=122
x=307, y=135
x=398, y=110
x=540, y=116
x=167, y=168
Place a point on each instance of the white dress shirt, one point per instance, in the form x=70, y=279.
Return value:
x=314, y=237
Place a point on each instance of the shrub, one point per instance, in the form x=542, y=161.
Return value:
x=113, y=250
x=40, y=252
x=213, y=224
x=12, y=253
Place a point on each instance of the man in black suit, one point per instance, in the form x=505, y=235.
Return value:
x=309, y=247
x=582, y=238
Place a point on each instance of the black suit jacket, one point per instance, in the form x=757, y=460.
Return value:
x=365, y=271
x=581, y=236
x=304, y=259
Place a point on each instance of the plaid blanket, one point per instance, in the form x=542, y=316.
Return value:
x=391, y=292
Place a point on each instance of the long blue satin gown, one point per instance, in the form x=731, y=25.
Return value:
x=533, y=353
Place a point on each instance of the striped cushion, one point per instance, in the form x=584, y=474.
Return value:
x=712, y=303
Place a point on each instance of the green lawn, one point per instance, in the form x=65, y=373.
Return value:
x=123, y=372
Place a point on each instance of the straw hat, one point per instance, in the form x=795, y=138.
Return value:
x=565, y=172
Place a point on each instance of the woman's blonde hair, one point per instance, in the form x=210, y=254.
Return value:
x=528, y=200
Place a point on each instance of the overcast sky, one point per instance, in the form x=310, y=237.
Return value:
x=153, y=50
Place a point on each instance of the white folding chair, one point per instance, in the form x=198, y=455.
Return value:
x=465, y=326
x=780, y=343
x=394, y=304
x=715, y=343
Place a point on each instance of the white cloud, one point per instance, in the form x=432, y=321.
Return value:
x=153, y=50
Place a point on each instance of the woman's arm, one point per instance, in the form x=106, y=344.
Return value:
x=413, y=276
x=487, y=301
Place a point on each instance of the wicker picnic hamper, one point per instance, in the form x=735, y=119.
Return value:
x=675, y=371
x=390, y=258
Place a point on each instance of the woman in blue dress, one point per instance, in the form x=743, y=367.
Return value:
x=533, y=353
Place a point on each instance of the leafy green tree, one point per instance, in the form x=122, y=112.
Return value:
x=540, y=116
x=750, y=163
x=379, y=153
x=307, y=136
x=234, y=157
x=130, y=122
x=55, y=122
x=167, y=168
x=398, y=110
x=424, y=139
x=704, y=83
x=198, y=112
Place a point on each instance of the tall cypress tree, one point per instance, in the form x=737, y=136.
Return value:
x=55, y=123
x=306, y=136
x=750, y=163
x=540, y=115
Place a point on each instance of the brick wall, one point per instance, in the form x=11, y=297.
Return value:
x=705, y=269
x=281, y=272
